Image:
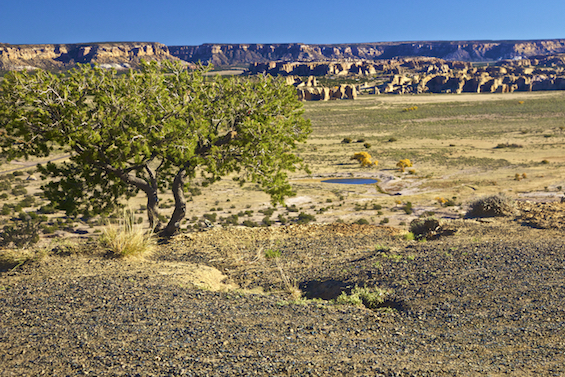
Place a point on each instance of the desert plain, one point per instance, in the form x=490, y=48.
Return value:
x=258, y=292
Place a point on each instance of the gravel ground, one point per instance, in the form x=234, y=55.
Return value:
x=489, y=300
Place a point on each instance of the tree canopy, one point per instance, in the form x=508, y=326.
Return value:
x=150, y=130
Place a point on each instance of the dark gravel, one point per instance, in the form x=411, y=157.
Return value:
x=488, y=301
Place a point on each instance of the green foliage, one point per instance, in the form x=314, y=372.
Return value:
x=304, y=218
x=22, y=232
x=272, y=253
x=150, y=130
x=371, y=298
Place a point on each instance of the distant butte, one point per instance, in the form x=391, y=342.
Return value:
x=129, y=54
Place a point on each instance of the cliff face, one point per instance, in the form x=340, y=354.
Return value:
x=61, y=56
x=233, y=54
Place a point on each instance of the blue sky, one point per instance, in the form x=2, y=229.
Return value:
x=176, y=22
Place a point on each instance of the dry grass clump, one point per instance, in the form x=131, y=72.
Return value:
x=127, y=238
x=492, y=206
x=14, y=258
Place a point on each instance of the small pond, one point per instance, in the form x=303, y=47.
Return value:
x=351, y=181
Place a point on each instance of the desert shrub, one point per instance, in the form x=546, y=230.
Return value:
x=4, y=196
x=545, y=162
x=267, y=221
x=424, y=227
x=47, y=209
x=231, y=220
x=371, y=298
x=27, y=201
x=492, y=206
x=507, y=145
x=127, y=238
x=362, y=221
x=304, y=218
x=292, y=208
x=407, y=208
x=367, y=145
x=22, y=232
x=5, y=185
x=361, y=140
x=18, y=173
x=6, y=210
x=282, y=219
x=19, y=190
x=250, y=224
x=412, y=108
x=377, y=207
x=364, y=159
x=392, y=140
x=386, y=220
x=212, y=217
x=267, y=212
x=403, y=164
x=346, y=140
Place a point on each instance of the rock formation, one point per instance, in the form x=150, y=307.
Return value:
x=234, y=54
x=63, y=56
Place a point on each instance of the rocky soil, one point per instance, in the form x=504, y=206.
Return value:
x=489, y=300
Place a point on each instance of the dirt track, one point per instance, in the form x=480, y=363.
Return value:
x=488, y=301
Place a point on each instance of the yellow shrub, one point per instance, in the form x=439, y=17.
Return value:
x=364, y=159
x=403, y=164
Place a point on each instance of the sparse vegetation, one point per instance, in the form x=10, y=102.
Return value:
x=492, y=206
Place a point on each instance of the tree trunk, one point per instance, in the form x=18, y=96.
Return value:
x=153, y=210
x=180, y=206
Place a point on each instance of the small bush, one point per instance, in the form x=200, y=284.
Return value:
x=19, y=190
x=392, y=140
x=507, y=145
x=424, y=228
x=492, y=206
x=212, y=217
x=367, y=145
x=304, y=218
x=282, y=219
x=346, y=140
x=371, y=298
x=23, y=232
x=250, y=224
x=362, y=221
x=364, y=159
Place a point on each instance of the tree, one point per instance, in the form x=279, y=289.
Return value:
x=364, y=159
x=150, y=130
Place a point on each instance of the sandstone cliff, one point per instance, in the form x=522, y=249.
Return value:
x=234, y=54
x=62, y=56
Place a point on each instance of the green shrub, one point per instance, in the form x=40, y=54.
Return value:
x=210, y=217
x=371, y=298
x=19, y=190
x=47, y=209
x=23, y=232
x=282, y=219
x=362, y=221
x=250, y=224
x=304, y=218
x=346, y=140
x=367, y=145
x=267, y=221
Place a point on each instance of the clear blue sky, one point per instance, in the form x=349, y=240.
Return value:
x=190, y=22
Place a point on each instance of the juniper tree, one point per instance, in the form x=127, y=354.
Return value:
x=150, y=130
